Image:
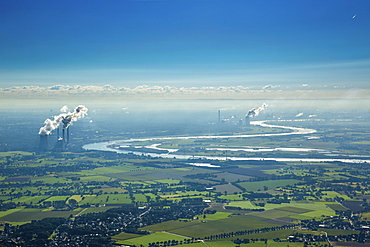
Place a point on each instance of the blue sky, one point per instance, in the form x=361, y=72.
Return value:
x=185, y=43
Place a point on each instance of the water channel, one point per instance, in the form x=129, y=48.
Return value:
x=118, y=146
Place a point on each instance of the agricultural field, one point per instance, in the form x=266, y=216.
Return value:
x=254, y=200
x=147, y=239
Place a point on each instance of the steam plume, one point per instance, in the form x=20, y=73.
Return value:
x=65, y=118
x=254, y=112
x=64, y=109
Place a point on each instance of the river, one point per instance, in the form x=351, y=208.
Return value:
x=113, y=146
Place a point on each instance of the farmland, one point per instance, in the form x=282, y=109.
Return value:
x=235, y=201
x=161, y=202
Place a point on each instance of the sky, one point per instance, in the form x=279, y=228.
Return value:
x=185, y=43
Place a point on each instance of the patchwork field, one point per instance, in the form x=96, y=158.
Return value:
x=217, y=224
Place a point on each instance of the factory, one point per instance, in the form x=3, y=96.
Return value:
x=61, y=124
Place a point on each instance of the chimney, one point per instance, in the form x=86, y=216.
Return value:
x=58, y=134
x=44, y=145
x=247, y=120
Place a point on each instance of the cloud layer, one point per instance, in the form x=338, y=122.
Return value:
x=227, y=92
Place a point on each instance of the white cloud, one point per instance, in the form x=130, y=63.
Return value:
x=270, y=86
x=240, y=92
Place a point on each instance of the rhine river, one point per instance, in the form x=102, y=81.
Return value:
x=171, y=153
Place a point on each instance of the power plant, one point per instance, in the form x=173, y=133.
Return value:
x=62, y=140
x=253, y=113
x=44, y=144
x=247, y=120
x=66, y=118
x=242, y=121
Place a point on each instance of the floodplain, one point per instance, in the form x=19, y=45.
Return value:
x=229, y=201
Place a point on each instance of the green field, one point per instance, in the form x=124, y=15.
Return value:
x=27, y=215
x=96, y=178
x=105, y=199
x=221, y=223
x=243, y=204
x=28, y=199
x=154, y=237
x=57, y=198
x=294, y=210
x=271, y=184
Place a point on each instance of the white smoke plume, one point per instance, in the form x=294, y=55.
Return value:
x=65, y=118
x=299, y=114
x=254, y=112
x=64, y=109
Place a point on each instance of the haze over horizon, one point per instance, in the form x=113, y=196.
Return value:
x=285, y=44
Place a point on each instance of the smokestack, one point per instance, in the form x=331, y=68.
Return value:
x=44, y=144
x=219, y=116
x=247, y=120
x=63, y=143
x=68, y=135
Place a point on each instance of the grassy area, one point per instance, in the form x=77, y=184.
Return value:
x=216, y=216
x=362, y=142
x=27, y=215
x=106, y=199
x=124, y=236
x=203, y=227
x=96, y=178
x=57, y=198
x=232, y=197
x=295, y=210
x=94, y=209
x=11, y=153
x=271, y=184
x=243, y=204
x=10, y=211
x=167, y=181
x=28, y=199
x=333, y=194
x=224, y=243
x=154, y=237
